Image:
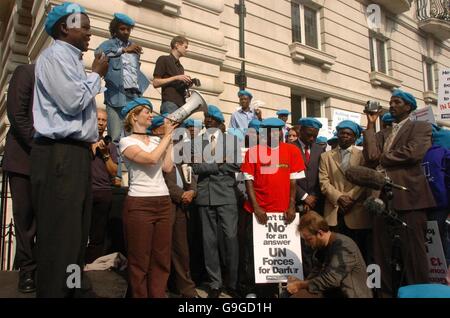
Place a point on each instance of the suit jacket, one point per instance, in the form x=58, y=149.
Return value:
x=175, y=191
x=310, y=184
x=216, y=184
x=19, y=106
x=114, y=95
x=403, y=162
x=333, y=184
x=339, y=268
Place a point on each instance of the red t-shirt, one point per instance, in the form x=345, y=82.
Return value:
x=271, y=170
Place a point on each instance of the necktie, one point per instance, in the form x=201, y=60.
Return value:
x=307, y=156
x=345, y=154
x=213, y=145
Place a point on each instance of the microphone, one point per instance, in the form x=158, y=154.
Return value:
x=370, y=178
x=377, y=206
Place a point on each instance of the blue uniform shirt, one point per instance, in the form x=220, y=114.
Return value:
x=240, y=119
x=64, y=96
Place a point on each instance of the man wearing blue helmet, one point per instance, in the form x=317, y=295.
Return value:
x=65, y=119
x=242, y=117
x=343, y=209
x=397, y=152
x=283, y=114
x=124, y=80
x=308, y=189
x=217, y=202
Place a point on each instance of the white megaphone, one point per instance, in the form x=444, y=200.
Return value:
x=194, y=103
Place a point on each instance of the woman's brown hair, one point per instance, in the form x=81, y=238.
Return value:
x=127, y=123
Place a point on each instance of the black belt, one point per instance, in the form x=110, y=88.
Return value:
x=132, y=91
x=68, y=141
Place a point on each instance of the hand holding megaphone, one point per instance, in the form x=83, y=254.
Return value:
x=169, y=126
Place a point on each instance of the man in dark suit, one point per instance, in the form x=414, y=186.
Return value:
x=16, y=163
x=398, y=151
x=308, y=189
x=308, y=193
x=217, y=200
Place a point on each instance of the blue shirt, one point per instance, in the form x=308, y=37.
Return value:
x=130, y=63
x=240, y=119
x=64, y=96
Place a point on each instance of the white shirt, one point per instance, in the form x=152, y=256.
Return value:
x=146, y=180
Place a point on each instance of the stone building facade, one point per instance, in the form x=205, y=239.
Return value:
x=310, y=56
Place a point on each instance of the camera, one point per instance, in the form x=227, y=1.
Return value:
x=372, y=107
x=196, y=82
x=107, y=139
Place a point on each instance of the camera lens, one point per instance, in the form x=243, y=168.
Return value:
x=107, y=139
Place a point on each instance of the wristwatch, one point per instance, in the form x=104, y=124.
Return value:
x=106, y=157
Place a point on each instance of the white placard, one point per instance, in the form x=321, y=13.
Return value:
x=424, y=114
x=435, y=254
x=340, y=115
x=324, y=131
x=277, y=249
x=444, y=95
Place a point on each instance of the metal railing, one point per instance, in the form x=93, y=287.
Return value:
x=439, y=9
x=6, y=229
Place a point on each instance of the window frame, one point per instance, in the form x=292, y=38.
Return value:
x=426, y=81
x=302, y=24
x=374, y=55
x=303, y=106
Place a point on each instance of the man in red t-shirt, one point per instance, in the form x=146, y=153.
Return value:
x=270, y=171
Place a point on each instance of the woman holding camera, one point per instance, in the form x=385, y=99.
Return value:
x=147, y=207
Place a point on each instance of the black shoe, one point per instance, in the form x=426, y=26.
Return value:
x=214, y=293
x=233, y=293
x=26, y=282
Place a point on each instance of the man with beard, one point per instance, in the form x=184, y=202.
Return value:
x=398, y=152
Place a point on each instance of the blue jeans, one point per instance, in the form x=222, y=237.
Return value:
x=115, y=129
x=168, y=107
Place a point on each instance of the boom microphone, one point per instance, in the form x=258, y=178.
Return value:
x=377, y=206
x=370, y=178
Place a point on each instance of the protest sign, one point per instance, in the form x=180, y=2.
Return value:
x=277, y=249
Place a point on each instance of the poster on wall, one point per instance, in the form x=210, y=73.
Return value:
x=340, y=115
x=444, y=95
x=424, y=114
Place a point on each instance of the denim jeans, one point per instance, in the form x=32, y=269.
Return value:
x=168, y=107
x=115, y=128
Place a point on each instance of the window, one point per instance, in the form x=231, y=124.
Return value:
x=313, y=108
x=378, y=55
x=305, y=27
x=303, y=106
x=428, y=73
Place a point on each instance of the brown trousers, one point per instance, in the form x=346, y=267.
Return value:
x=411, y=250
x=148, y=235
x=180, y=254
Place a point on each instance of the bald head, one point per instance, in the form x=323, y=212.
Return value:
x=102, y=120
